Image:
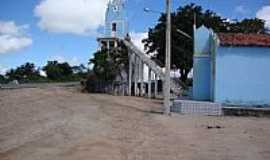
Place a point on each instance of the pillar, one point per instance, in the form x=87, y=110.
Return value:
x=130, y=73
x=141, y=77
x=136, y=75
x=156, y=85
x=108, y=45
x=149, y=83
x=115, y=44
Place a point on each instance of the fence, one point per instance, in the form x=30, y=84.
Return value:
x=115, y=88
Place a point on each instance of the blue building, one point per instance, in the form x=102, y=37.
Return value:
x=116, y=24
x=116, y=28
x=231, y=68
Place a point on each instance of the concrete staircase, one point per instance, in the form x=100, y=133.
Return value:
x=175, y=87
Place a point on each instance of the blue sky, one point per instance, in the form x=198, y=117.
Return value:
x=41, y=30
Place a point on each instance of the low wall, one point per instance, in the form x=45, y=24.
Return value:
x=242, y=111
x=114, y=88
x=196, y=107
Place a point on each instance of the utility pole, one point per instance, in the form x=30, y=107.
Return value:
x=167, y=87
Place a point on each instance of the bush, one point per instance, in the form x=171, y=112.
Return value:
x=3, y=80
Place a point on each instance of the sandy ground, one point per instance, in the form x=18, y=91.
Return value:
x=57, y=123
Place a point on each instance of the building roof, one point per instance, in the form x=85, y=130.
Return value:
x=241, y=39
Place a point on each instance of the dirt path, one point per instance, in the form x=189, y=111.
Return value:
x=57, y=123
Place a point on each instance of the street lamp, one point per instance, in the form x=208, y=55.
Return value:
x=167, y=85
x=148, y=10
x=184, y=34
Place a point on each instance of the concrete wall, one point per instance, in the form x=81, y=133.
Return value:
x=242, y=76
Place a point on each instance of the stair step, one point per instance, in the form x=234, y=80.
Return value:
x=196, y=107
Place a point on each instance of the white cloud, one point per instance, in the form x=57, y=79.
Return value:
x=74, y=61
x=71, y=16
x=11, y=28
x=9, y=43
x=137, y=39
x=12, y=37
x=264, y=13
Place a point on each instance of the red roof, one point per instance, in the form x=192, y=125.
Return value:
x=241, y=39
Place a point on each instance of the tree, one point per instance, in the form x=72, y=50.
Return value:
x=57, y=71
x=110, y=64
x=2, y=79
x=182, y=48
x=26, y=72
x=248, y=26
x=66, y=69
x=102, y=68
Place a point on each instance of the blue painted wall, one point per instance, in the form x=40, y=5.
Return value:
x=201, y=78
x=242, y=76
x=202, y=65
x=202, y=42
x=116, y=13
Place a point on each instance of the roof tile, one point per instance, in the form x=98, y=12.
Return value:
x=241, y=39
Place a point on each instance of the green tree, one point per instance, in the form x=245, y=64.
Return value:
x=66, y=69
x=248, y=26
x=110, y=64
x=26, y=72
x=2, y=79
x=102, y=67
x=182, y=48
x=57, y=71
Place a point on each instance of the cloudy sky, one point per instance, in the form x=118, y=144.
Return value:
x=66, y=30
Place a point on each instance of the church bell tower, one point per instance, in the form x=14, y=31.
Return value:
x=116, y=25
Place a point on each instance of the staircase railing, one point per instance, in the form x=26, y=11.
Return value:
x=175, y=87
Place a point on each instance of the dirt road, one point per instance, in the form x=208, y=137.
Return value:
x=57, y=123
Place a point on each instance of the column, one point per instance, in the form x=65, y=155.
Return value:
x=115, y=44
x=141, y=77
x=108, y=45
x=149, y=82
x=156, y=85
x=136, y=76
x=130, y=73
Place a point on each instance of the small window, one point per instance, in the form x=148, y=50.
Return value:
x=114, y=27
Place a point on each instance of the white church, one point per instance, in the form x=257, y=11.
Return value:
x=116, y=26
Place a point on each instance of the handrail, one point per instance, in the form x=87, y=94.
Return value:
x=176, y=88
